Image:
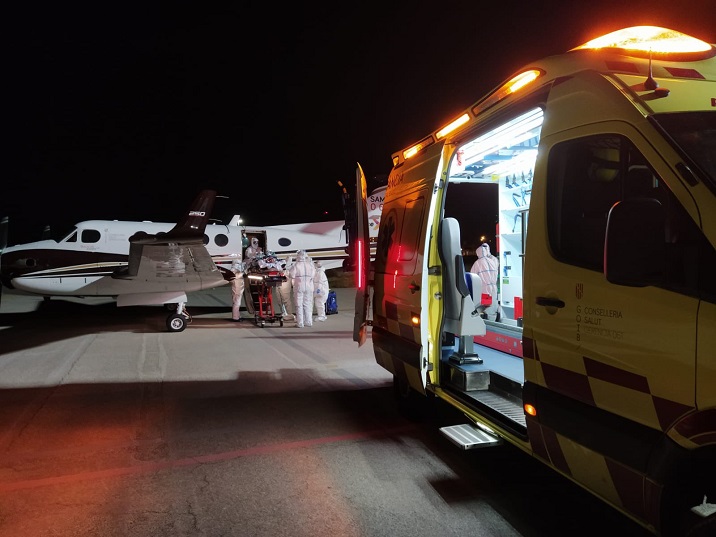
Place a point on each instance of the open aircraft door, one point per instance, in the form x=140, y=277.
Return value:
x=362, y=256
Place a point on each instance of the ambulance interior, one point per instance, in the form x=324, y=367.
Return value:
x=489, y=180
x=492, y=174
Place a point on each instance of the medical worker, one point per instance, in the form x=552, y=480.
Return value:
x=320, y=294
x=237, y=288
x=253, y=250
x=302, y=273
x=487, y=267
x=283, y=291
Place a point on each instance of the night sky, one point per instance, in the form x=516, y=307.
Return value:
x=124, y=112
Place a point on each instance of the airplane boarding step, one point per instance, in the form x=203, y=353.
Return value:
x=468, y=436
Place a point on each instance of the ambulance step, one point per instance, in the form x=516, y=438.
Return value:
x=468, y=436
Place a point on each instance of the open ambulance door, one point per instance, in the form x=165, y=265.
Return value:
x=362, y=257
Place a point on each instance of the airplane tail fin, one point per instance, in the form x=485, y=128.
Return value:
x=193, y=224
x=188, y=231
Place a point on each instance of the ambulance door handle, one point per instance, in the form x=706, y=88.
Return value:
x=414, y=287
x=549, y=302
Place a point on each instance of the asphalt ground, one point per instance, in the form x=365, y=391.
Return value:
x=112, y=426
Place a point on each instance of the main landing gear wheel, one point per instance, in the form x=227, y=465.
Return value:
x=176, y=322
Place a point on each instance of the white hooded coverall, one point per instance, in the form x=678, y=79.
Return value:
x=302, y=273
x=237, y=288
x=320, y=295
x=487, y=267
x=283, y=291
x=253, y=250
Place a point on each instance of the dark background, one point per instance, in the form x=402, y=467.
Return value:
x=119, y=111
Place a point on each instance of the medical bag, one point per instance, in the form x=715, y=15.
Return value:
x=331, y=303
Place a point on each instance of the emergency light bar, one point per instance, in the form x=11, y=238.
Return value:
x=645, y=40
x=640, y=41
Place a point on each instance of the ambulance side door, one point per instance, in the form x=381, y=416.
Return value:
x=628, y=350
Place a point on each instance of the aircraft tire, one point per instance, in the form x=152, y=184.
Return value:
x=176, y=322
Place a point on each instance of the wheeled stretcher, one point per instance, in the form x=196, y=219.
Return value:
x=263, y=273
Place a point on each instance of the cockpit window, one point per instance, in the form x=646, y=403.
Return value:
x=90, y=236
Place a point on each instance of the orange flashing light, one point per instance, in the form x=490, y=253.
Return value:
x=530, y=410
x=415, y=319
x=513, y=85
x=414, y=150
x=523, y=79
x=442, y=133
x=649, y=39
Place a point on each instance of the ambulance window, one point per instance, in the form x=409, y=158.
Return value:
x=586, y=177
x=399, y=253
x=412, y=222
x=584, y=180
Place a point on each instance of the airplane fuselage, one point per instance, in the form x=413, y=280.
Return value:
x=87, y=260
x=83, y=262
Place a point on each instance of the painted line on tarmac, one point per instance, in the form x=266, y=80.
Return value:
x=194, y=461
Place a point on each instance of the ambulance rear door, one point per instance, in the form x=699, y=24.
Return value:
x=362, y=257
x=406, y=286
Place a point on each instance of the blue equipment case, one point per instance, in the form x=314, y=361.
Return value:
x=331, y=303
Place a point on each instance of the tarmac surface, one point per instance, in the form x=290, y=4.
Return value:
x=112, y=426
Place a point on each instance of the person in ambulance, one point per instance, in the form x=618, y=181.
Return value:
x=320, y=284
x=237, y=288
x=302, y=273
x=487, y=267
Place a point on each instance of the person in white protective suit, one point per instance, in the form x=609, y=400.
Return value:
x=237, y=288
x=283, y=292
x=254, y=250
x=487, y=267
x=302, y=273
x=320, y=292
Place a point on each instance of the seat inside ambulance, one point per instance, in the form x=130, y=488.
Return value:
x=461, y=309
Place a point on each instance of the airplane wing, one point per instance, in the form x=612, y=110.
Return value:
x=177, y=257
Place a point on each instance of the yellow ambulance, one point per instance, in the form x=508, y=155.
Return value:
x=596, y=354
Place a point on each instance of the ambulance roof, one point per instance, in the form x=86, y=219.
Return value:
x=646, y=52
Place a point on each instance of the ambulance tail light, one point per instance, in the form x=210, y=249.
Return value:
x=643, y=41
x=360, y=269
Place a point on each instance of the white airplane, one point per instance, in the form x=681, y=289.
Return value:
x=153, y=263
